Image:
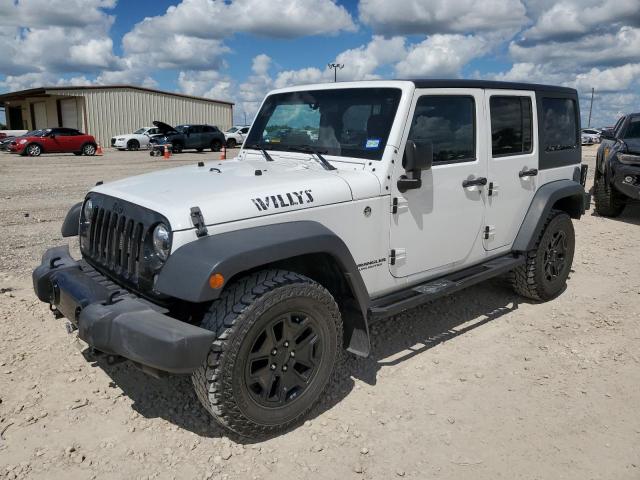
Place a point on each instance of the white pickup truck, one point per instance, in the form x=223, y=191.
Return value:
x=251, y=274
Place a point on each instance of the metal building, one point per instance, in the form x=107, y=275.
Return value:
x=105, y=111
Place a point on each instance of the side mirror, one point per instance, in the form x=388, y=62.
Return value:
x=418, y=156
x=607, y=135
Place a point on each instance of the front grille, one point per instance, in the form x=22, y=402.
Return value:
x=115, y=242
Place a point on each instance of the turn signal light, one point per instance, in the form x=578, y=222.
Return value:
x=216, y=281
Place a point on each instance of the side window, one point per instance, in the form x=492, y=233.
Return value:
x=448, y=123
x=195, y=129
x=633, y=129
x=559, y=124
x=511, y=125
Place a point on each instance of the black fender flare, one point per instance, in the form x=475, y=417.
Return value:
x=71, y=224
x=186, y=273
x=572, y=197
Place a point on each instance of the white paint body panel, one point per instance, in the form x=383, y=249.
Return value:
x=122, y=140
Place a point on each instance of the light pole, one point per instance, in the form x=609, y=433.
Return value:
x=590, y=108
x=335, y=67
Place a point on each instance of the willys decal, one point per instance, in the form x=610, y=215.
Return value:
x=283, y=200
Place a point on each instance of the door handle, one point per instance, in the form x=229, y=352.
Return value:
x=528, y=173
x=475, y=182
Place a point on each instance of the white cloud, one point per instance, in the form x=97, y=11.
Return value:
x=574, y=18
x=610, y=79
x=362, y=63
x=441, y=56
x=442, y=16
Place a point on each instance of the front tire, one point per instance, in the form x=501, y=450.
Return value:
x=231, y=143
x=33, y=150
x=608, y=202
x=176, y=148
x=545, y=272
x=278, y=338
x=133, y=145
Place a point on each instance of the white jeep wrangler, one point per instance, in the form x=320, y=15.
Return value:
x=251, y=274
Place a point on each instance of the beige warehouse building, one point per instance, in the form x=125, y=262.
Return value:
x=105, y=111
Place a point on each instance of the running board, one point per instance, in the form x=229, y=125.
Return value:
x=398, y=302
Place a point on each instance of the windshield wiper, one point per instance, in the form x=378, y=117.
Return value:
x=317, y=153
x=258, y=147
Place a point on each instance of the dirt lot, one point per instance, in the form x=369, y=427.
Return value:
x=478, y=385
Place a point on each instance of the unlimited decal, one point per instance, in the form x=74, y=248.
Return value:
x=283, y=200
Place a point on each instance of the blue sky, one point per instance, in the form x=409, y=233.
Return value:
x=239, y=49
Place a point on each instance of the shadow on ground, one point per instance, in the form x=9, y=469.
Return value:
x=394, y=340
x=630, y=214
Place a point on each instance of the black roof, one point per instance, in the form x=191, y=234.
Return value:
x=489, y=84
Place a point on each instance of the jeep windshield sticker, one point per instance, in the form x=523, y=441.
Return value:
x=371, y=264
x=372, y=143
x=283, y=200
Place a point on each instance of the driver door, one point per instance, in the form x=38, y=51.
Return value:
x=438, y=226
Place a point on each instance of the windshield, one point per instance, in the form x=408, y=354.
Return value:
x=232, y=130
x=140, y=132
x=38, y=133
x=352, y=122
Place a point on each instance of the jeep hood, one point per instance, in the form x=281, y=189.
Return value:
x=233, y=190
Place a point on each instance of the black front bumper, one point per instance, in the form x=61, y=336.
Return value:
x=631, y=190
x=113, y=320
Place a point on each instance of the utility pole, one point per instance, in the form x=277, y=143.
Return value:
x=335, y=67
x=590, y=108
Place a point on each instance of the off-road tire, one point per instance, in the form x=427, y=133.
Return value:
x=241, y=311
x=133, y=145
x=530, y=280
x=608, y=202
x=231, y=143
x=216, y=146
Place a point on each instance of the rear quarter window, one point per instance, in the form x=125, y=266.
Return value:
x=559, y=124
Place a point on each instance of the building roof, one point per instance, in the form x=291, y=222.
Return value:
x=489, y=84
x=34, y=92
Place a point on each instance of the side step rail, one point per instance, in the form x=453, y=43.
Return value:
x=398, y=302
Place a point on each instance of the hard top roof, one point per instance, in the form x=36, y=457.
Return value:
x=489, y=84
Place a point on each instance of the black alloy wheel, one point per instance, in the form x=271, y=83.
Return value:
x=283, y=359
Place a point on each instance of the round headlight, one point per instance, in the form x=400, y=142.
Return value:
x=161, y=241
x=87, y=210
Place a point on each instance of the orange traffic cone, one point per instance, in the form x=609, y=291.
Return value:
x=223, y=153
x=166, y=155
x=99, y=150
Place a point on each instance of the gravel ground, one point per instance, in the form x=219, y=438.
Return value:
x=481, y=384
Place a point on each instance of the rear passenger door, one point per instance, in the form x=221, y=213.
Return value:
x=513, y=164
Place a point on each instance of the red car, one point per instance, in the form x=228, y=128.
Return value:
x=54, y=140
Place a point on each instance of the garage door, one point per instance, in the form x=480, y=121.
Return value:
x=40, y=114
x=69, y=111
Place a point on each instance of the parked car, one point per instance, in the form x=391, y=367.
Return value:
x=183, y=137
x=590, y=136
x=253, y=274
x=136, y=140
x=54, y=140
x=6, y=141
x=236, y=135
x=617, y=175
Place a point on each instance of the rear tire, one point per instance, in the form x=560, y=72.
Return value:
x=544, y=275
x=250, y=382
x=89, y=150
x=608, y=202
x=133, y=145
